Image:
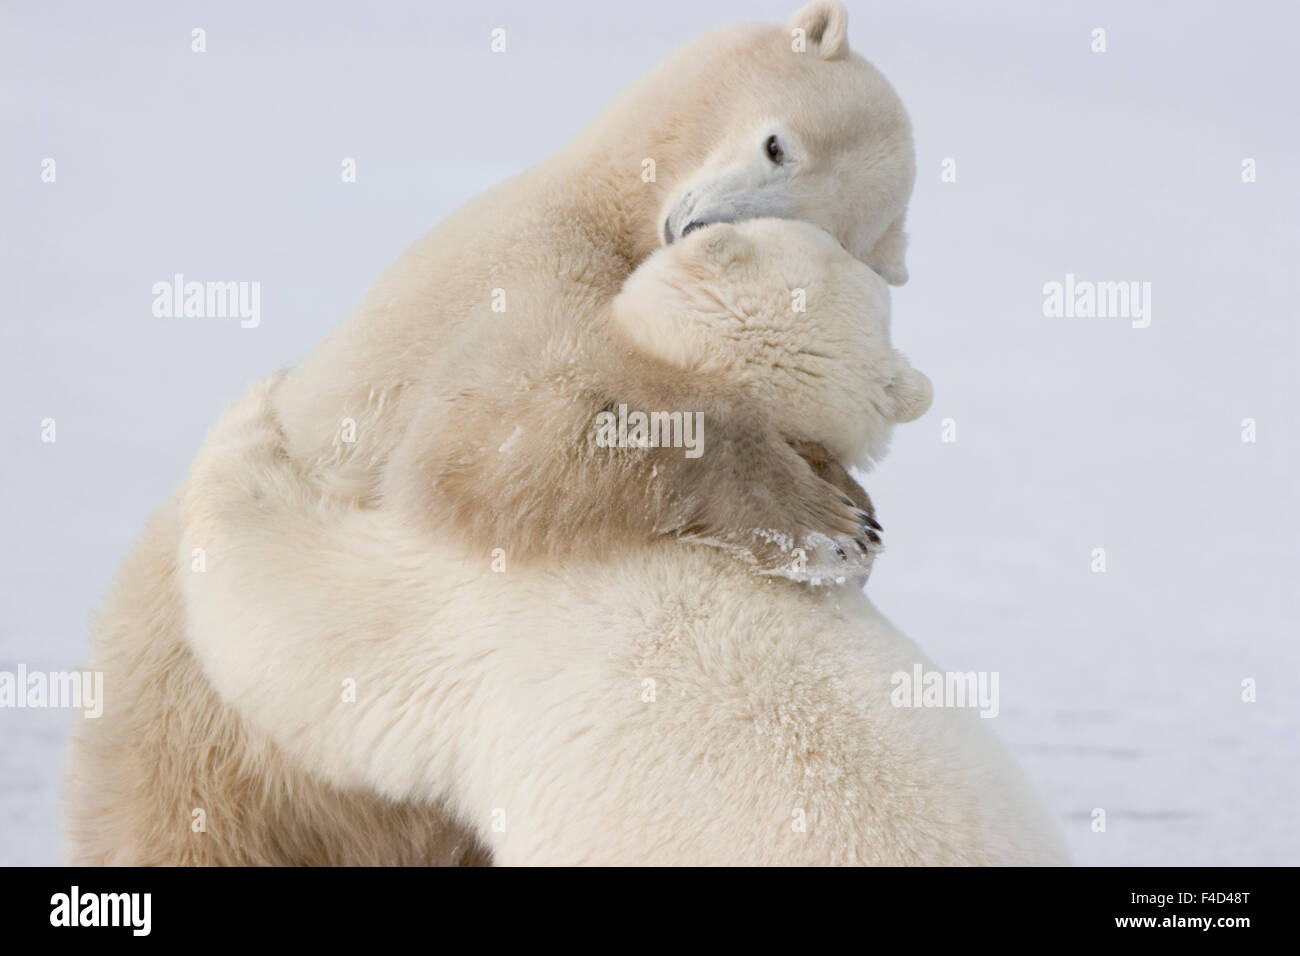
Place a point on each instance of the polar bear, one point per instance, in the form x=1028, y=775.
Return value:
x=746, y=122
x=655, y=705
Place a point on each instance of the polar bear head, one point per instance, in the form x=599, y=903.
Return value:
x=778, y=312
x=800, y=127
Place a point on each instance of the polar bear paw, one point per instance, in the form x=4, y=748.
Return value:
x=819, y=556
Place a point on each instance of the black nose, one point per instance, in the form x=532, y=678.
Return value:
x=690, y=226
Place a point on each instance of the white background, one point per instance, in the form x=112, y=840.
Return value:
x=1119, y=690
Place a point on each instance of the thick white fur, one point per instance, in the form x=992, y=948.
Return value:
x=663, y=706
x=520, y=698
x=778, y=309
x=768, y=697
x=567, y=233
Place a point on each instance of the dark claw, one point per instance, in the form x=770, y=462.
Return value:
x=862, y=546
x=867, y=521
x=843, y=556
x=873, y=537
x=847, y=501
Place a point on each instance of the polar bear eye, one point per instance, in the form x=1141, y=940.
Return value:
x=774, y=151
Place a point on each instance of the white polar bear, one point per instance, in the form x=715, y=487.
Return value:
x=746, y=122
x=663, y=705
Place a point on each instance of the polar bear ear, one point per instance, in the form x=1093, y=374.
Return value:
x=825, y=26
x=886, y=256
x=723, y=243
x=908, y=393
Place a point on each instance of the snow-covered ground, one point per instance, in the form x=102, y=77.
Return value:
x=1120, y=690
